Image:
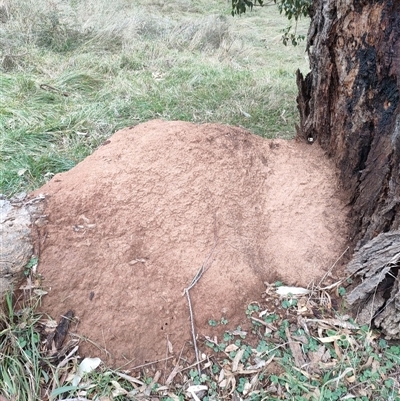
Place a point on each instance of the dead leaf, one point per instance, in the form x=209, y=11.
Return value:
x=153, y=382
x=40, y=292
x=172, y=375
x=246, y=388
x=129, y=378
x=284, y=291
x=296, y=350
x=118, y=389
x=231, y=347
x=237, y=359
x=329, y=339
x=192, y=390
x=350, y=379
x=337, y=350
x=86, y=366
x=170, y=347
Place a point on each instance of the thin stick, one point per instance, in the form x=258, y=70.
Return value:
x=331, y=268
x=151, y=363
x=196, y=278
x=83, y=338
x=193, y=331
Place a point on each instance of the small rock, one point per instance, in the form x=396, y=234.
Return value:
x=16, y=245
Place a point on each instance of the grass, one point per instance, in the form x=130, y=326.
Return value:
x=21, y=373
x=74, y=72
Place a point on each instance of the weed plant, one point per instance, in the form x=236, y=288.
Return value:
x=75, y=71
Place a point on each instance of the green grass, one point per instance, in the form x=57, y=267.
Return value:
x=74, y=72
x=21, y=373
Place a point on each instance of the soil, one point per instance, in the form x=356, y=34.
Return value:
x=131, y=225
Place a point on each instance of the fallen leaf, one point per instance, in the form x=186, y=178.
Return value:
x=86, y=366
x=246, y=388
x=129, y=378
x=40, y=292
x=296, y=350
x=192, y=390
x=170, y=347
x=197, y=388
x=286, y=290
x=172, y=375
x=329, y=339
x=236, y=360
x=350, y=379
x=247, y=115
x=118, y=389
x=231, y=347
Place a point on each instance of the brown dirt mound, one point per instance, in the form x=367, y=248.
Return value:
x=131, y=225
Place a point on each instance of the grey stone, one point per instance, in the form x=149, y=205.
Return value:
x=16, y=248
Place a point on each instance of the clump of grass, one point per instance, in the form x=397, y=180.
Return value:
x=21, y=364
x=203, y=34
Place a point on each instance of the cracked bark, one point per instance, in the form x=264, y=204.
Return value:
x=350, y=104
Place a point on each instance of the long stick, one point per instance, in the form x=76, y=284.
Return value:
x=196, y=278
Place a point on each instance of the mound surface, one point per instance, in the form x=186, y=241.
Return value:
x=130, y=226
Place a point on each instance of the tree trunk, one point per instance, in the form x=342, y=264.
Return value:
x=350, y=104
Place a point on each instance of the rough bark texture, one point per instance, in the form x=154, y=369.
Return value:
x=349, y=104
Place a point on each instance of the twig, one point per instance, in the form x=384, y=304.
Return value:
x=196, y=278
x=331, y=268
x=193, y=364
x=151, y=363
x=83, y=338
x=67, y=358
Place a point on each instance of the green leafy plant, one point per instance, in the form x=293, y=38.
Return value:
x=28, y=268
x=292, y=9
x=289, y=303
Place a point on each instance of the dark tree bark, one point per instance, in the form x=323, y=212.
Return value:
x=350, y=104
